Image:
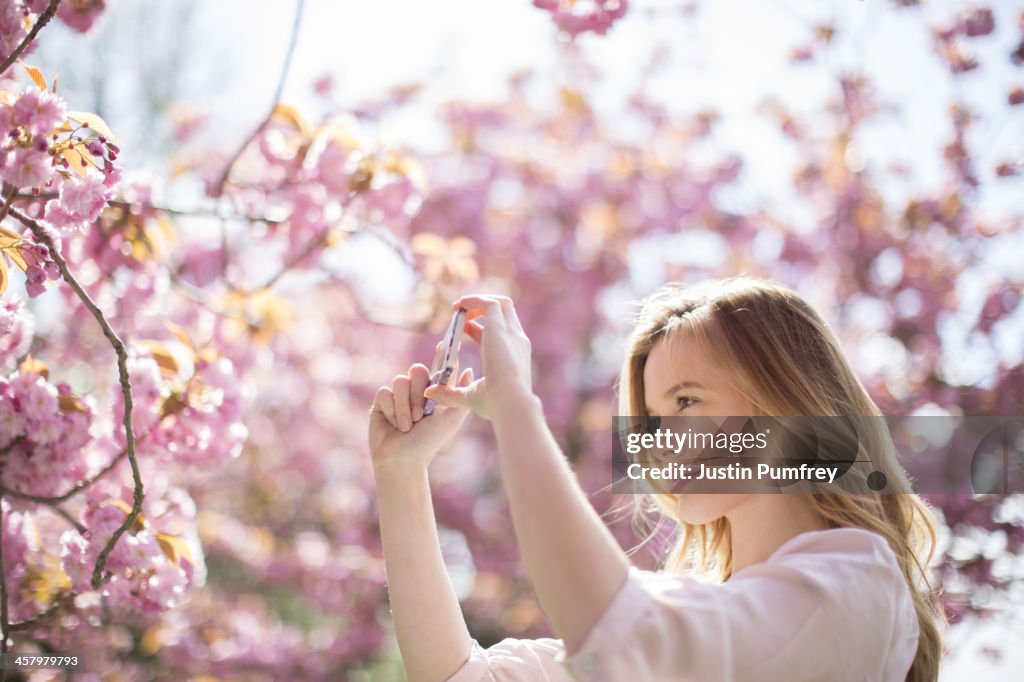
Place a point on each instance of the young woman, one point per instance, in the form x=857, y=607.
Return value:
x=822, y=587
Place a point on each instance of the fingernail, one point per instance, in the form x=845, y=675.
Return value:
x=417, y=414
x=404, y=424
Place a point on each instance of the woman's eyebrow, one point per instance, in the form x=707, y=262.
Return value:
x=682, y=384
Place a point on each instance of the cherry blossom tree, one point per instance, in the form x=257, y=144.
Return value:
x=184, y=481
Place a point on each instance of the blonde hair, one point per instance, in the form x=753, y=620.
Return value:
x=787, y=362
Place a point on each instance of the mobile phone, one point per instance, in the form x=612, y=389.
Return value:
x=447, y=356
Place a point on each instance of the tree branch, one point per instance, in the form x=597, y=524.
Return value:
x=41, y=235
x=78, y=487
x=43, y=19
x=4, y=624
x=282, y=79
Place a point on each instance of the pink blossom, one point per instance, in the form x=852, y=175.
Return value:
x=598, y=15
x=37, y=400
x=332, y=168
x=35, y=280
x=85, y=197
x=81, y=14
x=58, y=216
x=12, y=30
x=40, y=112
x=111, y=175
x=79, y=203
x=978, y=21
x=12, y=425
x=147, y=393
x=16, y=327
x=324, y=85
x=27, y=167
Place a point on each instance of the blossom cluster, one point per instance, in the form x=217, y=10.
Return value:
x=40, y=148
x=43, y=429
x=144, y=578
x=574, y=18
x=16, y=326
x=194, y=422
x=16, y=16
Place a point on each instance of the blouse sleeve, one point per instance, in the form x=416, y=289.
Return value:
x=813, y=615
x=514, y=660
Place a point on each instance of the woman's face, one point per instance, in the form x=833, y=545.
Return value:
x=680, y=380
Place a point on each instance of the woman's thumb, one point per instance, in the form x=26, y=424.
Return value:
x=453, y=396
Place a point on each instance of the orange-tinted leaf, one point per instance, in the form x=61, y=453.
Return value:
x=3, y=276
x=37, y=76
x=289, y=114
x=209, y=354
x=180, y=333
x=173, y=404
x=32, y=366
x=140, y=521
x=74, y=157
x=140, y=250
x=70, y=403
x=97, y=124
x=14, y=253
x=573, y=100
x=164, y=359
x=9, y=233
x=174, y=547
x=151, y=641
x=428, y=244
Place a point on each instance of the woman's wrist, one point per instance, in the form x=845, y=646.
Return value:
x=392, y=474
x=516, y=402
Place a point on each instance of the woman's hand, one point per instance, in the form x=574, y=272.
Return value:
x=505, y=358
x=401, y=438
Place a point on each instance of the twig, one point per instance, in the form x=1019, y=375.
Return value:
x=4, y=625
x=282, y=79
x=41, y=235
x=171, y=210
x=81, y=485
x=310, y=247
x=43, y=19
x=278, y=91
x=50, y=610
x=69, y=518
x=10, y=192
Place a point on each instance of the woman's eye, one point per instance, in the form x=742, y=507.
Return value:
x=685, y=401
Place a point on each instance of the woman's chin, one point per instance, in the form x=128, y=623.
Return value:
x=700, y=508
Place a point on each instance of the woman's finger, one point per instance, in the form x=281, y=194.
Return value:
x=475, y=330
x=384, y=402
x=482, y=302
x=403, y=412
x=419, y=377
x=509, y=308
x=454, y=396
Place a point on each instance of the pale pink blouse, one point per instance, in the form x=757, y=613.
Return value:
x=829, y=605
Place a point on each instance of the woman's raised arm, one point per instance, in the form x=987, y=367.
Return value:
x=575, y=564
x=429, y=625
